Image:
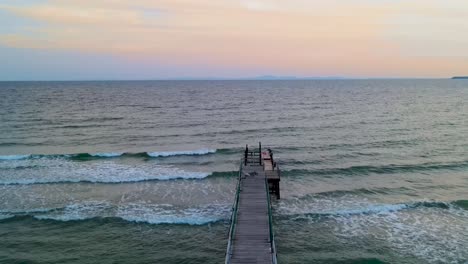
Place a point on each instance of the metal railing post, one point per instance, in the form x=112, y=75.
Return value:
x=246, y=154
x=270, y=225
x=260, y=152
x=233, y=218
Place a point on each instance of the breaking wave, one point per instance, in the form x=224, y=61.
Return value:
x=110, y=179
x=320, y=208
x=383, y=169
x=116, y=179
x=14, y=157
x=181, y=153
x=131, y=212
x=97, y=155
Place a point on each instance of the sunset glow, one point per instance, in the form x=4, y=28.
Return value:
x=232, y=39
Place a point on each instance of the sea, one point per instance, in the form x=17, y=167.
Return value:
x=372, y=171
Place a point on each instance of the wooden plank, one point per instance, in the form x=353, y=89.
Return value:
x=251, y=242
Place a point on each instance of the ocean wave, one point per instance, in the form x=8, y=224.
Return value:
x=458, y=204
x=461, y=203
x=131, y=212
x=24, y=144
x=348, y=208
x=177, y=175
x=14, y=157
x=181, y=153
x=383, y=169
x=167, y=214
x=98, y=155
x=6, y=216
x=181, y=176
x=306, y=213
x=359, y=191
x=29, y=211
x=107, y=155
x=373, y=209
x=425, y=229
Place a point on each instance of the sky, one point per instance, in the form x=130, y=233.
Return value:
x=166, y=39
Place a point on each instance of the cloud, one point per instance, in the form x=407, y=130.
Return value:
x=432, y=30
x=259, y=5
x=63, y=15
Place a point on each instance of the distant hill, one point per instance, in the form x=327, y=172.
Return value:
x=273, y=77
x=262, y=78
x=460, y=77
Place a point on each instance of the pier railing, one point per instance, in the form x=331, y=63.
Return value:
x=270, y=225
x=233, y=219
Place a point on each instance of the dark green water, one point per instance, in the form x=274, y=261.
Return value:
x=109, y=240
x=374, y=171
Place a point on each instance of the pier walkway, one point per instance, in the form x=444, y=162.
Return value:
x=251, y=238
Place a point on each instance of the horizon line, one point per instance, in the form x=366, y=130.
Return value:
x=272, y=78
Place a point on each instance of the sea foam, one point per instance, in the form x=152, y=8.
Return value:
x=139, y=212
x=106, y=171
x=5, y=216
x=14, y=157
x=181, y=153
x=85, y=156
x=107, y=155
x=109, y=179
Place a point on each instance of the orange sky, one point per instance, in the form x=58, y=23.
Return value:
x=355, y=38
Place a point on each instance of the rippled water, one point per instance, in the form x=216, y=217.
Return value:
x=374, y=171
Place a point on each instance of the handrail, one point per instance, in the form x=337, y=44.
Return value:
x=279, y=171
x=233, y=219
x=270, y=225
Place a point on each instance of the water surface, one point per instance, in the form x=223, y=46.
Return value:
x=373, y=171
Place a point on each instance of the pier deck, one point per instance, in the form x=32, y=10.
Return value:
x=251, y=237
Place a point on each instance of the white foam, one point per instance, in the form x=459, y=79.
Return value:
x=109, y=171
x=177, y=153
x=30, y=211
x=113, y=179
x=167, y=214
x=14, y=157
x=348, y=205
x=140, y=212
x=325, y=205
x=375, y=209
x=79, y=211
x=5, y=216
x=434, y=235
x=429, y=233
x=107, y=155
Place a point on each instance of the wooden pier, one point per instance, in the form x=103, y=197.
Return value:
x=251, y=237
